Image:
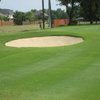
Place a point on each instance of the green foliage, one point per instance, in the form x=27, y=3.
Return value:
x=91, y=10
x=74, y=22
x=30, y=16
x=1, y=18
x=59, y=14
x=4, y=18
x=71, y=8
x=19, y=17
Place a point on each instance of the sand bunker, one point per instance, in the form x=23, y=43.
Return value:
x=49, y=41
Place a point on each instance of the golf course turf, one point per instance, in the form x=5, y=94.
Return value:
x=54, y=73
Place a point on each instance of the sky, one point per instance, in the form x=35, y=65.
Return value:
x=27, y=5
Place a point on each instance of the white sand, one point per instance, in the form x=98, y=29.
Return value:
x=49, y=41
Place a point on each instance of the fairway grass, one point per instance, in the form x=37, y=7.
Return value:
x=56, y=73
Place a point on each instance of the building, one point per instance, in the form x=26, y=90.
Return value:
x=7, y=13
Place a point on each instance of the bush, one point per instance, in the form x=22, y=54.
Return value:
x=74, y=22
x=19, y=17
x=4, y=18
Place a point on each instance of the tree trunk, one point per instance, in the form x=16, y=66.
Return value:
x=71, y=13
x=96, y=21
x=91, y=21
x=67, y=10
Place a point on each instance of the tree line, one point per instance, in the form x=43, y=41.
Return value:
x=36, y=15
x=88, y=9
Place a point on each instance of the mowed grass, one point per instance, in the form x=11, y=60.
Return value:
x=57, y=73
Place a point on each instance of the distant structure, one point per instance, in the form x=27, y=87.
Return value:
x=39, y=14
x=7, y=13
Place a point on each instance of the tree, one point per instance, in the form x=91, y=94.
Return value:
x=59, y=14
x=29, y=16
x=70, y=7
x=4, y=18
x=65, y=3
x=19, y=17
x=90, y=10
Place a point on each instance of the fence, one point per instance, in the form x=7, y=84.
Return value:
x=56, y=22
x=60, y=22
x=6, y=23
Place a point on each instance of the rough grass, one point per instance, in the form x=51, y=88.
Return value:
x=59, y=73
x=20, y=28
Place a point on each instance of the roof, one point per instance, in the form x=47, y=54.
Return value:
x=40, y=13
x=6, y=12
